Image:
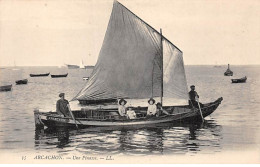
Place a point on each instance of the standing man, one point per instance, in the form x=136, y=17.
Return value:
x=193, y=95
x=62, y=106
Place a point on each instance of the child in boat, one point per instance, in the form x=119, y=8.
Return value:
x=160, y=111
x=152, y=108
x=121, y=108
x=131, y=113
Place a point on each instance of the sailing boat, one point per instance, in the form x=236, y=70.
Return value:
x=15, y=67
x=81, y=65
x=228, y=72
x=136, y=62
x=217, y=66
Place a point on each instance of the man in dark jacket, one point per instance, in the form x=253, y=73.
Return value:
x=193, y=95
x=62, y=106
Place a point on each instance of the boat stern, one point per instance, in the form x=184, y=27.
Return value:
x=37, y=119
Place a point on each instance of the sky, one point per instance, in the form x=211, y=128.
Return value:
x=57, y=32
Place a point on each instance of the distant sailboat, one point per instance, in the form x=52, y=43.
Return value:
x=228, y=72
x=60, y=66
x=15, y=67
x=217, y=66
x=82, y=65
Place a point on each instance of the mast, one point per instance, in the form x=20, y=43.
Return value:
x=152, y=79
x=161, y=66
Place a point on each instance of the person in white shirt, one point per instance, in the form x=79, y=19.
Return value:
x=131, y=113
x=121, y=107
x=151, y=111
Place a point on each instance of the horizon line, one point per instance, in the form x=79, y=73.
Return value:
x=94, y=65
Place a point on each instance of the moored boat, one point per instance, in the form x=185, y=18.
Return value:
x=59, y=76
x=228, y=72
x=6, y=88
x=89, y=67
x=85, y=78
x=240, y=80
x=39, y=75
x=19, y=82
x=70, y=66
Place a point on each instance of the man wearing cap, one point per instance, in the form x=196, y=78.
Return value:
x=62, y=106
x=193, y=95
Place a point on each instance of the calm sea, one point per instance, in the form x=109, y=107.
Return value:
x=234, y=126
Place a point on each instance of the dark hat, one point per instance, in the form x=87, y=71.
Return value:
x=192, y=86
x=159, y=104
x=121, y=100
x=61, y=94
x=152, y=100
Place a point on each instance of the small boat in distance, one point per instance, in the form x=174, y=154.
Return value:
x=15, y=67
x=59, y=76
x=228, y=72
x=81, y=65
x=70, y=66
x=85, y=78
x=39, y=75
x=240, y=80
x=5, y=88
x=20, y=82
x=217, y=66
x=89, y=67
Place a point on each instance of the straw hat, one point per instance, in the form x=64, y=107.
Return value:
x=151, y=99
x=122, y=100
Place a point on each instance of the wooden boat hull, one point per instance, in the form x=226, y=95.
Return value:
x=182, y=113
x=19, y=82
x=228, y=73
x=89, y=67
x=39, y=75
x=59, y=76
x=72, y=66
x=85, y=78
x=6, y=88
x=241, y=80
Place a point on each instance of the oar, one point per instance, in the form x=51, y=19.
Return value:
x=72, y=116
x=200, y=110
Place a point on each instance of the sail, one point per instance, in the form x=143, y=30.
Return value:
x=129, y=63
x=81, y=64
x=174, y=78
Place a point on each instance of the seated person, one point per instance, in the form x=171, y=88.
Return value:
x=122, y=108
x=160, y=111
x=151, y=111
x=131, y=113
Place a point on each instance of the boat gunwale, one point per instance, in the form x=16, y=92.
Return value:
x=192, y=110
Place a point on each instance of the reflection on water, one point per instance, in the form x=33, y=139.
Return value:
x=164, y=139
x=234, y=126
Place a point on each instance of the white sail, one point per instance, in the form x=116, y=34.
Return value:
x=129, y=63
x=81, y=64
